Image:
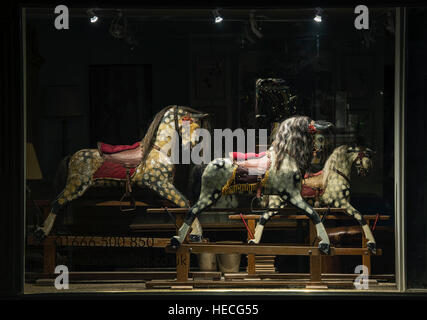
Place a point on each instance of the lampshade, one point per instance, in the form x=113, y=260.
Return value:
x=33, y=171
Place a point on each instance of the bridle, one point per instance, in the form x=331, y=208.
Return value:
x=358, y=161
x=177, y=128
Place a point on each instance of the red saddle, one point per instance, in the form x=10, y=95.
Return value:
x=312, y=186
x=239, y=156
x=310, y=192
x=309, y=175
x=109, y=148
x=120, y=163
x=129, y=156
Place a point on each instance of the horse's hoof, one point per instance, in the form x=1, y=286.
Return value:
x=251, y=242
x=372, y=247
x=39, y=235
x=195, y=238
x=324, y=248
x=175, y=244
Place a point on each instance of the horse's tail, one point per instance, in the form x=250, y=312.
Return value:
x=195, y=182
x=61, y=175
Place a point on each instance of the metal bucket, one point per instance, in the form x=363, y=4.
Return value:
x=207, y=261
x=229, y=262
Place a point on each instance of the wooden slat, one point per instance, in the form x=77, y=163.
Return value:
x=280, y=210
x=272, y=249
x=168, y=226
x=125, y=275
x=109, y=242
x=304, y=217
x=248, y=283
x=296, y=276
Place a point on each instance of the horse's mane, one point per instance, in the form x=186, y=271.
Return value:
x=292, y=138
x=337, y=156
x=150, y=136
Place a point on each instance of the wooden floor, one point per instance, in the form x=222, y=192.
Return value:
x=238, y=282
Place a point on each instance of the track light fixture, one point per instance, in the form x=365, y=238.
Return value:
x=92, y=16
x=118, y=27
x=318, y=15
x=217, y=17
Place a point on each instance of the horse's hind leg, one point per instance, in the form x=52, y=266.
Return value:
x=214, y=178
x=76, y=186
x=168, y=191
x=274, y=202
x=297, y=201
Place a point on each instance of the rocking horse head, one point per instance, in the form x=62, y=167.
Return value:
x=174, y=120
x=362, y=159
x=295, y=138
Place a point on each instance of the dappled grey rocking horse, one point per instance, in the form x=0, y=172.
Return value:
x=145, y=163
x=278, y=172
x=330, y=188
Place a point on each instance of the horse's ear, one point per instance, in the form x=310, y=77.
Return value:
x=350, y=149
x=200, y=115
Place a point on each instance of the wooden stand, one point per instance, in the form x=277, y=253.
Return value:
x=315, y=280
x=183, y=279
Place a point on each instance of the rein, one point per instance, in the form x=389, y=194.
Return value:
x=342, y=175
x=175, y=116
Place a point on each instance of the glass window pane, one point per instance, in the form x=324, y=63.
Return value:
x=108, y=77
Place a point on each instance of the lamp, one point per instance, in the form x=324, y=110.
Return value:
x=92, y=16
x=32, y=167
x=33, y=172
x=318, y=16
x=217, y=16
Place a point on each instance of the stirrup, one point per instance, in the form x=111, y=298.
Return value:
x=252, y=209
x=131, y=203
x=128, y=194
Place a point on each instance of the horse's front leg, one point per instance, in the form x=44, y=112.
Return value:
x=206, y=200
x=297, y=201
x=274, y=202
x=350, y=210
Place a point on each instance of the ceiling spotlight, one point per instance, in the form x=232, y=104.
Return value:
x=318, y=16
x=217, y=16
x=92, y=16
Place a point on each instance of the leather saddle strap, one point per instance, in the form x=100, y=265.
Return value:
x=342, y=175
x=128, y=193
x=175, y=118
x=260, y=177
x=128, y=182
